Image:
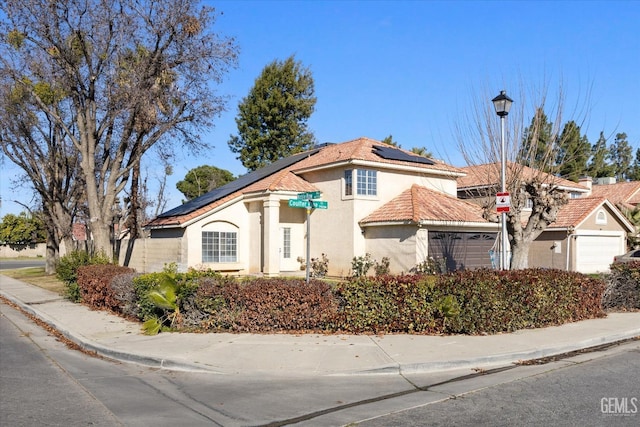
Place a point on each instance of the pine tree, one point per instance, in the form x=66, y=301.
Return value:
x=537, y=143
x=598, y=166
x=272, y=118
x=574, y=151
x=621, y=154
x=635, y=169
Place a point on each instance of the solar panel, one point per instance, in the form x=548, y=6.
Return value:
x=391, y=153
x=238, y=184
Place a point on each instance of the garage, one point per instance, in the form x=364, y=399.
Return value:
x=594, y=254
x=461, y=250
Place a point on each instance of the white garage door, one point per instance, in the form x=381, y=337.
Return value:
x=595, y=254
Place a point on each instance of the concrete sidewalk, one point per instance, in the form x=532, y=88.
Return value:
x=308, y=354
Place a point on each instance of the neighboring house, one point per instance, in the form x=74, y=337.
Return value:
x=381, y=200
x=587, y=234
x=588, y=231
x=481, y=182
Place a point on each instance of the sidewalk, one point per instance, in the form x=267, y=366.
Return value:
x=307, y=354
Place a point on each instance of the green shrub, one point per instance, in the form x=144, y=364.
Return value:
x=623, y=287
x=67, y=270
x=505, y=301
x=148, y=287
x=386, y=304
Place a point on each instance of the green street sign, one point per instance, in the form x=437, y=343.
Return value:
x=295, y=203
x=308, y=204
x=309, y=195
x=319, y=204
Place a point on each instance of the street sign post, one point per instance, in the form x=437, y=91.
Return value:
x=308, y=201
x=503, y=202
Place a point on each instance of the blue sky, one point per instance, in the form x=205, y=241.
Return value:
x=413, y=68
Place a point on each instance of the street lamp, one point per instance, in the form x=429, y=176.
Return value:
x=502, y=104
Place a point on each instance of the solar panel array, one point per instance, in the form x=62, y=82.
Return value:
x=391, y=153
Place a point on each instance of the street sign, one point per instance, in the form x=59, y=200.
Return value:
x=319, y=204
x=295, y=203
x=309, y=195
x=503, y=202
x=308, y=204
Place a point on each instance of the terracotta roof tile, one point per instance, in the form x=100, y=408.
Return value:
x=422, y=204
x=576, y=211
x=362, y=149
x=625, y=193
x=489, y=174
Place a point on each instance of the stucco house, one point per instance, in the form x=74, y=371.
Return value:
x=379, y=199
x=588, y=232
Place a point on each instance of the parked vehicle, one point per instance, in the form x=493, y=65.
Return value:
x=628, y=257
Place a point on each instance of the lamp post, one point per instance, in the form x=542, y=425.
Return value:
x=502, y=104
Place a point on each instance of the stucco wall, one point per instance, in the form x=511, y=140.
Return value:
x=234, y=217
x=398, y=243
x=611, y=222
x=549, y=250
x=335, y=231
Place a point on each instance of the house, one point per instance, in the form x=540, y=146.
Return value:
x=588, y=232
x=379, y=199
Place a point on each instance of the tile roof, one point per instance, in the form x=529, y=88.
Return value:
x=576, y=211
x=621, y=193
x=418, y=204
x=489, y=174
x=362, y=149
x=289, y=179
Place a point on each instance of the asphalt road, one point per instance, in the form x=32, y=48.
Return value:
x=12, y=263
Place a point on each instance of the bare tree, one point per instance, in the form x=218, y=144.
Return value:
x=51, y=167
x=530, y=151
x=133, y=74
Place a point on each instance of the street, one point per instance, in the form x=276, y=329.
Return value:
x=45, y=383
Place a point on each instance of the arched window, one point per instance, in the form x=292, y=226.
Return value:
x=219, y=242
x=601, y=217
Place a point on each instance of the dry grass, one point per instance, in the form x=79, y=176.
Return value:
x=37, y=277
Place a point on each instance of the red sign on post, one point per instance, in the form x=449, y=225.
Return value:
x=503, y=202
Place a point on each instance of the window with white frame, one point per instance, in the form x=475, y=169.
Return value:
x=601, y=217
x=219, y=246
x=367, y=182
x=348, y=182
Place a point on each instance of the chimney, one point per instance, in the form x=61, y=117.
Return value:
x=587, y=181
